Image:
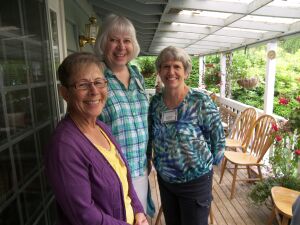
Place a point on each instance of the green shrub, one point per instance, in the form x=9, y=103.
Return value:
x=261, y=191
x=146, y=65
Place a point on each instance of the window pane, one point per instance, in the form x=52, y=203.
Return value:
x=3, y=129
x=40, y=105
x=52, y=213
x=25, y=159
x=55, y=43
x=18, y=108
x=36, y=46
x=31, y=200
x=36, y=66
x=14, y=69
x=44, y=135
x=47, y=189
x=36, y=70
x=6, y=181
x=41, y=221
x=10, y=215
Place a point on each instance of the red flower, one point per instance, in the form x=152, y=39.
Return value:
x=283, y=101
x=297, y=152
x=298, y=98
x=274, y=127
x=278, y=138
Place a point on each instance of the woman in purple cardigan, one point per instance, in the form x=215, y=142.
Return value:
x=84, y=164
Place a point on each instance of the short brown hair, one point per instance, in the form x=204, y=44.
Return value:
x=71, y=64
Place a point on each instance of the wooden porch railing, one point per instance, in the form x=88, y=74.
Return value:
x=229, y=108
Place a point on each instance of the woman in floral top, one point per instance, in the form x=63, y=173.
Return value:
x=187, y=138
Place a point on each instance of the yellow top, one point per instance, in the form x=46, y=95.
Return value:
x=115, y=160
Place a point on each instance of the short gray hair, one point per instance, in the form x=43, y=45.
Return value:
x=116, y=24
x=176, y=54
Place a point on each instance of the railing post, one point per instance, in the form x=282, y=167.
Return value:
x=201, y=71
x=223, y=75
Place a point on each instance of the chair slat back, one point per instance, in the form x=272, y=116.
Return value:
x=242, y=125
x=261, y=137
x=227, y=116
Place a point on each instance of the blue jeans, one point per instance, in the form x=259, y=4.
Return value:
x=186, y=203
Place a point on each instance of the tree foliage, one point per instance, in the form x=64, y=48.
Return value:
x=252, y=62
x=287, y=81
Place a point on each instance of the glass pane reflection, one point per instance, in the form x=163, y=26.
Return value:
x=18, y=107
x=3, y=129
x=52, y=213
x=42, y=221
x=25, y=158
x=6, y=181
x=14, y=68
x=47, y=189
x=36, y=68
x=31, y=200
x=10, y=215
x=41, y=105
x=44, y=135
x=55, y=43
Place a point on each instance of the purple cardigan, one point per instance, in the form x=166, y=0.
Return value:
x=86, y=187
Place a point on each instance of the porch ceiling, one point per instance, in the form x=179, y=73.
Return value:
x=204, y=27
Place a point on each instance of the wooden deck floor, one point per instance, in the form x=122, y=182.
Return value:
x=225, y=211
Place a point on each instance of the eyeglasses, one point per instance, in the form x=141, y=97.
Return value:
x=99, y=83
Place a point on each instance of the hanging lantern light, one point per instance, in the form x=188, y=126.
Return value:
x=91, y=31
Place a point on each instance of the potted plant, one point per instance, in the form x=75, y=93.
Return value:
x=248, y=78
x=244, y=73
x=147, y=66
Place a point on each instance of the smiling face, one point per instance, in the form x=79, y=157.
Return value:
x=118, y=50
x=85, y=103
x=172, y=74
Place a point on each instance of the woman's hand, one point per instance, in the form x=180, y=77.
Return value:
x=140, y=219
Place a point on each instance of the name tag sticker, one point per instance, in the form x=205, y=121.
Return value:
x=169, y=116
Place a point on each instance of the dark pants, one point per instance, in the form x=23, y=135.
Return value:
x=186, y=203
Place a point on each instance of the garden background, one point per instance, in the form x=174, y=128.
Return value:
x=247, y=62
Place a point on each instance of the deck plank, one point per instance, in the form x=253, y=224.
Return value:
x=237, y=211
x=242, y=190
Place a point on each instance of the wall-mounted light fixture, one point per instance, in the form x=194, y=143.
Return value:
x=91, y=30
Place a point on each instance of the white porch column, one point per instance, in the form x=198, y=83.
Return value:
x=201, y=71
x=223, y=75
x=270, y=77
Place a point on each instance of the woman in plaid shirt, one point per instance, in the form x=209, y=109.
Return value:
x=126, y=108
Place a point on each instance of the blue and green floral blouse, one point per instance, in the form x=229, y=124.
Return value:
x=185, y=149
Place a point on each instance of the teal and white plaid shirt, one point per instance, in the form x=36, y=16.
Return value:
x=126, y=112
